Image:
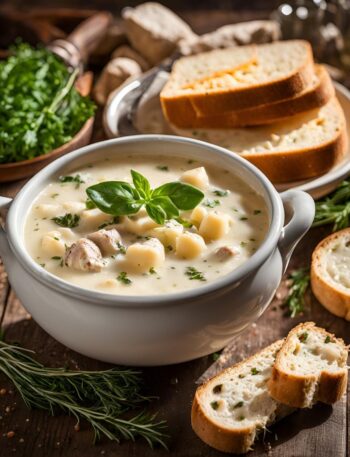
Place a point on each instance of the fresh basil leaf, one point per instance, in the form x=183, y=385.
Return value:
x=156, y=213
x=184, y=196
x=141, y=184
x=167, y=205
x=115, y=197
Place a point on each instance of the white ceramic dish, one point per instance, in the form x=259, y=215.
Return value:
x=156, y=329
x=122, y=109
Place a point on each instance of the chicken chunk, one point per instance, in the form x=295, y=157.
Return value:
x=108, y=241
x=84, y=255
x=224, y=253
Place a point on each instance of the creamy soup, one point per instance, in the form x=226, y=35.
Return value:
x=71, y=238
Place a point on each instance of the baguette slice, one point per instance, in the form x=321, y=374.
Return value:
x=304, y=146
x=310, y=367
x=319, y=91
x=230, y=409
x=330, y=274
x=225, y=80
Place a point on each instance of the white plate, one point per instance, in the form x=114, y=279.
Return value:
x=127, y=110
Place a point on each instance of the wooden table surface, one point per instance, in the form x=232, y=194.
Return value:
x=320, y=432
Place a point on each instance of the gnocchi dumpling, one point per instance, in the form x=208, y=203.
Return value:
x=141, y=257
x=168, y=233
x=197, y=215
x=92, y=218
x=190, y=245
x=74, y=207
x=196, y=177
x=46, y=210
x=53, y=244
x=138, y=226
x=214, y=226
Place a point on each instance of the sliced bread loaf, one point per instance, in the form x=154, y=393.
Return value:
x=231, y=79
x=230, y=409
x=305, y=146
x=310, y=367
x=318, y=92
x=330, y=273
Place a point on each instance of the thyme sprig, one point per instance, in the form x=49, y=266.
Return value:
x=335, y=208
x=299, y=281
x=99, y=397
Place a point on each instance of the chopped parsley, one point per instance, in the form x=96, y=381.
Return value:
x=216, y=356
x=214, y=405
x=123, y=277
x=75, y=179
x=56, y=257
x=169, y=248
x=89, y=204
x=121, y=247
x=243, y=218
x=152, y=271
x=238, y=405
x=241, y=418
x=68, y=220
x=256, y=212
x=303, y=337
x=194, y=274
x=209, y=203
x=327, y=339
x=254, y=371
x=163, y=167
x=220, y=193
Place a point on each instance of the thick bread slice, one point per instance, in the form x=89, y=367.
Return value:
x=304, y=146
x=216, y=82
x=230, y=409
x=310, y=367
x=319, y=91
x=330, y=273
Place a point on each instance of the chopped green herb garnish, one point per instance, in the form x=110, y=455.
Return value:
x=163, y=167
x=220, y=193
x=194, y=274
x=54, y=195
x=243, y=244
x=184, y=222
x=254, y=371
x=335, y=208
x=303, y=337
x=238, y=405
x=243, y=218
x=191, y=161
x=256, y=212
x=56, y=238
x=216, y=356
x=241, y=376
x=327, y=339
x=169, y=248
x=123, y=277
x=214, y=405
x=56, y=257
x=121, y=247
x=211, y=203
x=299, y=283
x=68, y=220
x=241, y=418
x=75, y=179
x=152, y=271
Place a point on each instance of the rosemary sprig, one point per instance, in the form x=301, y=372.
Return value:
x=299, y=282
x=99, y=397
x=335, y=208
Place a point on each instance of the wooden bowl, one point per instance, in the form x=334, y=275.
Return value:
x=19, y=170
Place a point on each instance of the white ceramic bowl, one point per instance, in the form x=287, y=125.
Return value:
x=157, y=329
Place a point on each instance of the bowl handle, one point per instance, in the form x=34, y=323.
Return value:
x=4, y=246
x=299, y=209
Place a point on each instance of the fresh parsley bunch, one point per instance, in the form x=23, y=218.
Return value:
x=120, y=198
x=40, y=108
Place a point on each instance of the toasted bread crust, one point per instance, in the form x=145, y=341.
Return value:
x=336, y=300
x=292, y=389
x=210, y=103
x=259, y=115
x=303, y=163
x=216, y=436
